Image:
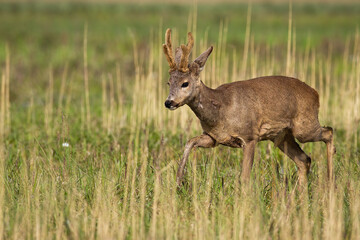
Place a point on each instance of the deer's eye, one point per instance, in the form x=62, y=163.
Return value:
x=185, y=84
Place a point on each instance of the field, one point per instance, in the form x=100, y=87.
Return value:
x=88, y=150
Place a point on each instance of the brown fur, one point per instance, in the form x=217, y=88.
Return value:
x=240, y=114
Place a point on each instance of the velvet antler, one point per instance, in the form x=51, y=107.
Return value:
x=168, y=50
x=186, y=50
x=185, y=53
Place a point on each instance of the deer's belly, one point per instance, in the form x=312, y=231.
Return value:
x=235, y=142
x=230, y=140
x=272, y=130
x=238, y=137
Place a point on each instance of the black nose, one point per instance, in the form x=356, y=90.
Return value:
x=168, y=103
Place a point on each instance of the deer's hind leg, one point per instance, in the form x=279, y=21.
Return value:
x=290, y=147
x=323, y=134
x=327, y=137
x=204, y=141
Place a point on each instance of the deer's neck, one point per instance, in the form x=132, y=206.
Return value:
x=206, y=105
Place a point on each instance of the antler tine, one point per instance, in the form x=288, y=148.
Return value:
x=186, y=50
x=168, y=50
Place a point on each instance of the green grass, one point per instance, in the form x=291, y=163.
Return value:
x=117, y=178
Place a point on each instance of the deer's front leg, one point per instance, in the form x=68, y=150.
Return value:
x=204, y=141
x=249, y=150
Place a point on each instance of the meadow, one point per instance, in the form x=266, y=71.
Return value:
x=88, y=150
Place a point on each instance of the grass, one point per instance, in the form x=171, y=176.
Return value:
x=95, y=77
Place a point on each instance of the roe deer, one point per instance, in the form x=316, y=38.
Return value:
x=242, y=113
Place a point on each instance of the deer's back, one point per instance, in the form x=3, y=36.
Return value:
x=283, y=92
x=263, y=107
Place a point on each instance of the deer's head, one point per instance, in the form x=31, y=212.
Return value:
x=184, y=78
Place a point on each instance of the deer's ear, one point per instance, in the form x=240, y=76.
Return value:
x=201, y=60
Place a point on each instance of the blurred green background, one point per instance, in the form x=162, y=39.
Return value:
x=43, y=34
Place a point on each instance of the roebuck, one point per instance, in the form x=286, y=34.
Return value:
x=240, y=114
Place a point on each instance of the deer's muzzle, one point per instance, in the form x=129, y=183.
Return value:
x=170, y=104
